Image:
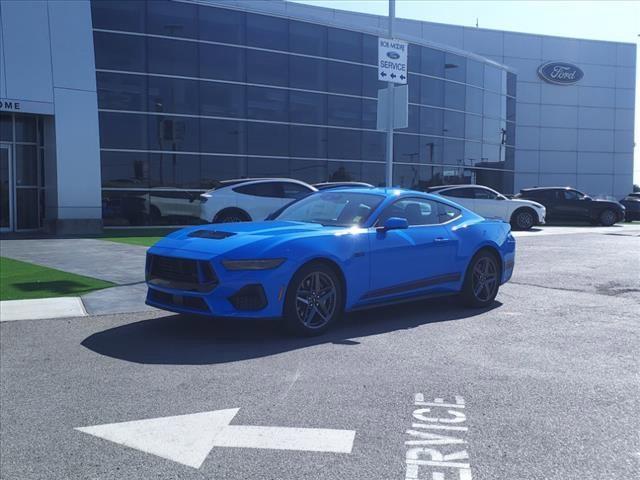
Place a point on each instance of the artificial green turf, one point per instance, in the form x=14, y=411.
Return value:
x=145, y=237
x=21, y=280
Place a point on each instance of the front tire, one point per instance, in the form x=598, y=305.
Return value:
x=607, y=218
x=523, y=219
x=231, y=215
x=314, y=300
x=482, y=280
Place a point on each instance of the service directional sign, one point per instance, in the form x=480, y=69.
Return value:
x=392, y=60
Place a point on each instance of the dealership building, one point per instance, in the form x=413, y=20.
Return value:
x=120, y=113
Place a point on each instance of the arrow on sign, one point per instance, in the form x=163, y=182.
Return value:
x=393, y=75
x=402, y=77
x=382, y=74
x=188, y=439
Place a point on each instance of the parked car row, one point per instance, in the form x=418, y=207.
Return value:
x=259, y=198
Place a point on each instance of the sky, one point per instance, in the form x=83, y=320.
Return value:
x=611, y=20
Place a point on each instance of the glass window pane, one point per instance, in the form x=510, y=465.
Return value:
x=345, y=78
x=510, y=134
x=432, y=62
x=430, y=150
x=122, y=130
x=431, y=121
x=26, y=128
x=174, y=170
x=172, y=57
x=307, y=107
x=374, y=146
x=472, y=153
x=222, y=99
x=473, y=100
x=413, y=120
x=473, y=127
x=268, y=167
x=307, y=38
x=491, y=131
x=267, y=32
x=6, y=127
x=174, y=133
x=173, y=95
x=344, y=144
x=492, y=156
x=453, y=124
x=124, y=169
x=215, y=168
x=345, y=44
x=346, y=171
x=310, y=171
x=414, y=59
x=492, y=104
x=120, y=91
x=492, y=78
x=416, y=177
x=222, y=136
x=267, y=68
x=26, y=163
x=432, y=92
x=267, y=104
x=127, y=15
x=454, y=95
x=120, y=52
x=27, y=208
x=370, y=50
x=453, y=152
x=406, y=148
x=414, y=88
x=511, y=84
x=307, y=141
x=124, y=208
x=369, y=114
x=267, y=139
x=344, y=111
x=371, y=84
x=455, y=67
x=221, y=25
x=475, y=72
x=307, y=73
x=222, y=63
x=175, y=19
x=511, y=109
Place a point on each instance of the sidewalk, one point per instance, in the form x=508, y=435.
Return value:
x=119, y=263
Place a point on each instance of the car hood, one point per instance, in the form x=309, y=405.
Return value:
x=611, y=203
x=531, y=203
x=211, y=240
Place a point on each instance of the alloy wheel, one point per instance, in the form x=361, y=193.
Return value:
x=525, y=220
x=316, y=300
x=485, y=279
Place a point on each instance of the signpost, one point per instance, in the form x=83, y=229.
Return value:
x=392, y=68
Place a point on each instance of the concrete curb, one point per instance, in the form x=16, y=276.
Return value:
x=41, y=308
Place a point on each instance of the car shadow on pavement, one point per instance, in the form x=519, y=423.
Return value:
x=190, y=340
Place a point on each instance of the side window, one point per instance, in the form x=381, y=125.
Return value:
x=417, y=211
x=294, y=190
x=571, y=195
x=266, y=189
x=459, y=193
x=484, y=194
x=447, y=213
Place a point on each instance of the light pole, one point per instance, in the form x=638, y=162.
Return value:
x=390, y=104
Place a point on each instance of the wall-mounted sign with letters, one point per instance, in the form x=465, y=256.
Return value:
x=392, y=60
x=25, y=106
x=560, y=73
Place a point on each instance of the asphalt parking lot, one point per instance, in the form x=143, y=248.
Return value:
x=544, y=385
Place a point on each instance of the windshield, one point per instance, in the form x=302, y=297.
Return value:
x=342, y=209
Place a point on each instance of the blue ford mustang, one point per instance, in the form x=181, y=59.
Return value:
x=330, y=252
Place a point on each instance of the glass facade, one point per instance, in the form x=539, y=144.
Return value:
x=21, y=171
x=193, y=94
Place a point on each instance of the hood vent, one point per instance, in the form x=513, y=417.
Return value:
x=211, y=234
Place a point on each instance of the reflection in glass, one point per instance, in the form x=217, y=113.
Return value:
x=307, y=38
x=432, y=92
x=455, y=67
x=173, y=95
x=453, y=124
x=26, y=128
x=430, y=150
x=345, y=45
x=222, y=63
x=174, y=208
x=124, y=208
x=344, y=144
x=222, y=99
x=119, y=91
x=453, y=152
x=221, y=24
x=373, y=146
x=6, y=127
x=307, y=107
x=27, y=208
x=214, y=168
x=267, y=104
x=122, y=130
x=267, y=139
x=307, y=141
x=174, y=170
x=172, y=19
x=406, y=148
x=174, y=133
x=432, y=62
x=126, y=15
x=124, y=169
x=473, y=127
x=431, y=121
x=267, y=32
x=345, y=78
x=267, y=68
x=454, y=95
x=173, y=57
x=222, y=136
x=344, y=111
x=475, y=72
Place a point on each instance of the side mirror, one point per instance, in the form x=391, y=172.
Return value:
x=587, y=198
x=394, y=223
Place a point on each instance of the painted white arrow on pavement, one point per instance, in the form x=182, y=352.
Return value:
x=188, y=439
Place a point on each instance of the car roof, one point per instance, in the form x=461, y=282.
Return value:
x=461, y=185
x=242, y=181
x=533, y=189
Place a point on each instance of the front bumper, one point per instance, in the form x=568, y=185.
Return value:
x=238, y=294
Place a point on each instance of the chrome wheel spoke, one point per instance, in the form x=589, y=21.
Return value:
x=316, y=299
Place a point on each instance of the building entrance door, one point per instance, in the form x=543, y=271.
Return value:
x=6, y=189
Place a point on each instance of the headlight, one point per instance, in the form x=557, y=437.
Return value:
x=260, y=264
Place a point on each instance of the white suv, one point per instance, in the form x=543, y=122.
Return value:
x=522, y=214
x=245, y=200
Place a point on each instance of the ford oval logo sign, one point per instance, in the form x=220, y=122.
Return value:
x=560, y=73
x=393, y=55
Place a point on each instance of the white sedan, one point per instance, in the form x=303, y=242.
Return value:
x=245, y=199
x=522, y=214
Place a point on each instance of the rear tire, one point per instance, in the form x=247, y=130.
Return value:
x=231, y=215
x=607, y=218
x=482, y=280
x=314, y=300
x=523, y=219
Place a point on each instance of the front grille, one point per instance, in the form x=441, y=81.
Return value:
x=180, y=273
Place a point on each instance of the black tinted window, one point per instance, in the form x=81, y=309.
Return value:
x=294, y=190
x=484, y=194
x=266, y=189
x=417, y=211
x=459, y=193
x=447, y=213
